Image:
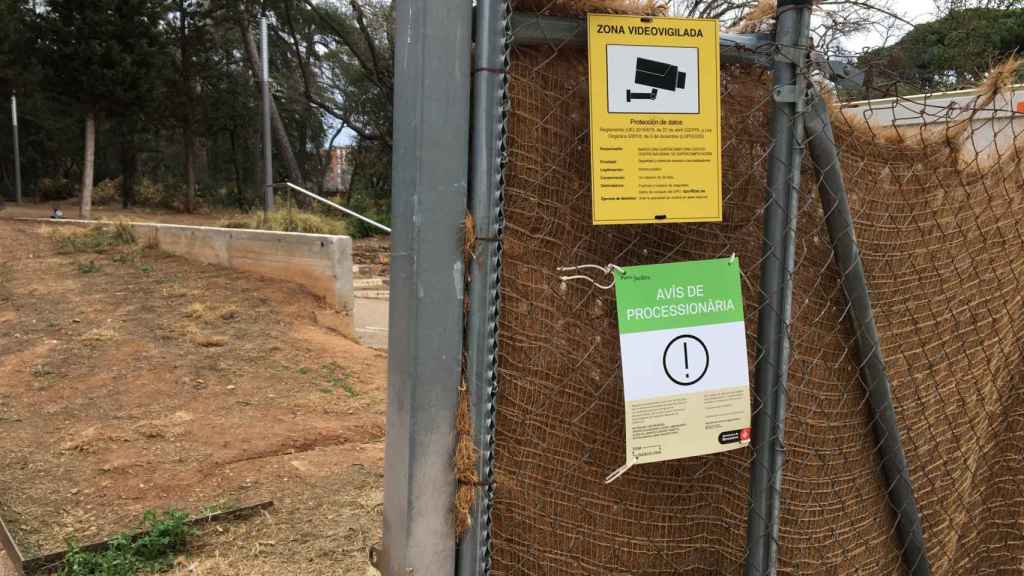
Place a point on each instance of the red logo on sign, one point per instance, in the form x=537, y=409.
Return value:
x=744, y=434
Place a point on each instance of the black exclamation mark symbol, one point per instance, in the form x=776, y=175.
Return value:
x=686, y=360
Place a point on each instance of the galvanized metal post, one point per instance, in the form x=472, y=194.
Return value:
x=869, y=352
x=487, y=149
x=17, y=151
x=780, y=214
x=428, y=206
x=798, y=57
x=268, y=167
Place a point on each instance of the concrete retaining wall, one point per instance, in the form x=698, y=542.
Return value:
x=320, y=262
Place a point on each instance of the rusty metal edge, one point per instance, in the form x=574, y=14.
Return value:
x=11, y=548
x=48, y=563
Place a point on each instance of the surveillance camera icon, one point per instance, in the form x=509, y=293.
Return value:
x=661, y=75
x=657, y=76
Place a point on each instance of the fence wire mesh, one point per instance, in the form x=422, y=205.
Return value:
x=938, y=213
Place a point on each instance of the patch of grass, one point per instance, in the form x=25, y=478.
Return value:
x=229, y=313
x=89, y=267
x=95, y=240
x=41, y=371
x=125, y=257
x=196, y=310
x=338, y=377
x=224, y=505
x=6, y=273
x=165, y=535
x=98, y=335
x=282, y=221
x=147, y=268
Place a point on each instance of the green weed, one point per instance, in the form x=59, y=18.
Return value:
x=88, y=267
x=153, y=550
x=95, y=240
x=338, y=377
x=41, y=371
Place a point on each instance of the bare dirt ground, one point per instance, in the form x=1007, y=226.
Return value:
x=138, y=380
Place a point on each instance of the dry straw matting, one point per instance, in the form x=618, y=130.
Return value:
x=942, y=244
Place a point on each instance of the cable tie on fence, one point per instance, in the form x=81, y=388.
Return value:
x=604, y=269
x=732, y=259
x=621, y=470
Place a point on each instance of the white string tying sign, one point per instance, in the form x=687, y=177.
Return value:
x=605, y=269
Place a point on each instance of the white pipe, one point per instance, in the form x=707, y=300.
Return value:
x=339, y=207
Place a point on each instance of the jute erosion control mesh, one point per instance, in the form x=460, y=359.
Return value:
x=943, y=248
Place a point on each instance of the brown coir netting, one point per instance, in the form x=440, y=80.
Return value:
x=942, y=240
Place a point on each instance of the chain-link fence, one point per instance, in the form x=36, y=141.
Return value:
x=937, y=213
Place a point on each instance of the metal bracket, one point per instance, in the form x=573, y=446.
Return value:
x=789, y=94
x=845, y=74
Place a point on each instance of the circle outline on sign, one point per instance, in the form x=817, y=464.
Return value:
x=664, y=359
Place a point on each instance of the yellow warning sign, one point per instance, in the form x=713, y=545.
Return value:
x=655, y=141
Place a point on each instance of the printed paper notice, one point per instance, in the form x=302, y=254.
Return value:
x=655, y=151
x=684, y=359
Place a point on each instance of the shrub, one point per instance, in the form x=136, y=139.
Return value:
x=376, y=210
x=166, y=535
x=283, y=221
x=107, y=192
x=157, y=195
x=56, y=189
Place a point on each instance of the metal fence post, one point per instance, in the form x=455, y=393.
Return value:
x=489, y=61
x=430, y=170
x=793, y=21
x=268, y=157
x=839, y=222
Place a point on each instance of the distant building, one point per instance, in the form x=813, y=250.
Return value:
x=339, y=169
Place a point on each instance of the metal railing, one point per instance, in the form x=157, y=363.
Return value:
x=347, y=211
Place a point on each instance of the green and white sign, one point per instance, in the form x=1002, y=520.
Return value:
x=684, y=359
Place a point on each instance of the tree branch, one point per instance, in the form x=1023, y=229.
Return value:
x=871, y=7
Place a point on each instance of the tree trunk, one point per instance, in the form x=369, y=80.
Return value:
x=129, y=168
x=238, y=170
x=294, y=173
x=257, y=169
x=85, y=211
x=190, y=170
x=186, y=83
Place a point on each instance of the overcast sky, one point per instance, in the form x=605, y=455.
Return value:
x=916, y=11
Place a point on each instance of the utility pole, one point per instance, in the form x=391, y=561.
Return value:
x=268, y=168
x=17, y=152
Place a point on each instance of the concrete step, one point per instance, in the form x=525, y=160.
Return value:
x=372, y=294
x=369, y=271
x=360, y=283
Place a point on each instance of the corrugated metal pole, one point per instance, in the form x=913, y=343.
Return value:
x=268, y=166
x=772, y=338
x=872, y=366
x=487, y=149
x=17, y=150
x=798, y=58
x=428, y=206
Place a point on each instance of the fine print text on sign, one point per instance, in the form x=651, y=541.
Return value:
x=654, y=119
x=684, y=359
